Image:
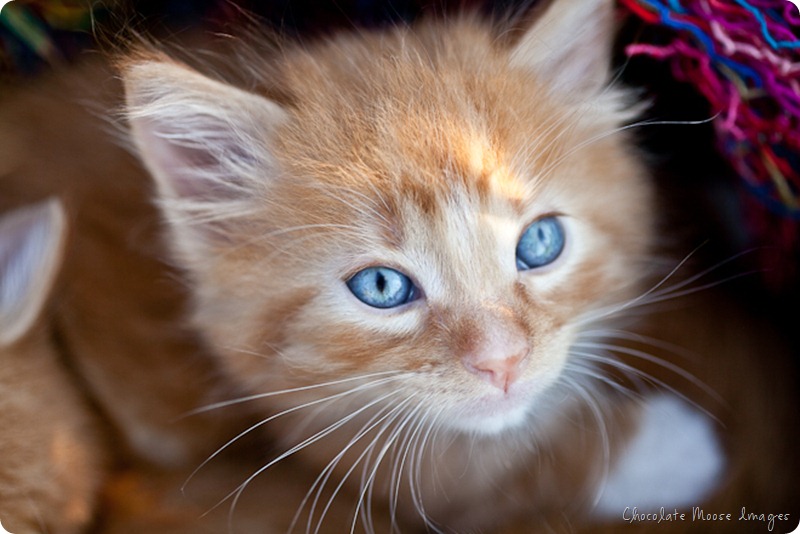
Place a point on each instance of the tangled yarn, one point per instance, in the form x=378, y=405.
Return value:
x=743, y=57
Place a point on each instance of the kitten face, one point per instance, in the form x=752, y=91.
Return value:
x=426, y=152
x=452, y=223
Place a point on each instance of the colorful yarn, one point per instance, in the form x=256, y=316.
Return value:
x=743, y=57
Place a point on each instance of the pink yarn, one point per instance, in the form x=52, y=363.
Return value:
x=743, y=57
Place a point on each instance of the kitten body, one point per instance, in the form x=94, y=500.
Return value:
x=51, y=458
x=116, y=310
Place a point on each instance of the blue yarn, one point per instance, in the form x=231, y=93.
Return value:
x=676, y=6
x=744, y=72
x=666, y=17
x=765, y=31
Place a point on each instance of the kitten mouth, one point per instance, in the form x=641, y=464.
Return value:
x=495, y=412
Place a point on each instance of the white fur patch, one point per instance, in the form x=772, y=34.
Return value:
x=674, y=460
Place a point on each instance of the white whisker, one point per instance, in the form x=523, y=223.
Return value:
x=659, y=293
x=637, y=374
x=611, y=333
x=398, y=466
x=327, y=399
x=240, y=400
x=591, y=372
x=384, y=422
x=416, y=461
x=237, y=493
x=368, y=483
x=599, y=137
x=615, y=309
x=597, y=414
x=322, y=479
x=652, y=359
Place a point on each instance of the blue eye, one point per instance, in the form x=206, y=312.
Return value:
x=382, y=287
x=540, y=244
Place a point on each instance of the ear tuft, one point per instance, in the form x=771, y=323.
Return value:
x=570, y=46
x=206, y=143
x=201, y=138
x=31, y=247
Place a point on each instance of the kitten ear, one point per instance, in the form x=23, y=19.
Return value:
x=570, y=46
x=206, y=143
x=31, y=246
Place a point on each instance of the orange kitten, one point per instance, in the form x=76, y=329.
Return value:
x=50, y=459
x=405, y=233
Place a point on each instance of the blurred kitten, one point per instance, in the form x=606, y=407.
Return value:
x=51, y=461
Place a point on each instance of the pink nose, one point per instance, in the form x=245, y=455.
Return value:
x=499, y=372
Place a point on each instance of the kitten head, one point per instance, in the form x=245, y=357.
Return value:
x=433, y=209
x=31, y=246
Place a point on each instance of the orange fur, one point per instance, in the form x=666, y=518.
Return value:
x=426, y=149
x=116, y=310
x=51, y=451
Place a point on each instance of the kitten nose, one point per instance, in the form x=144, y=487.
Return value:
x=499, y=344
x=499, y=372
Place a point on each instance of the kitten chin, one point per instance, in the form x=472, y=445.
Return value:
x=496, y=412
